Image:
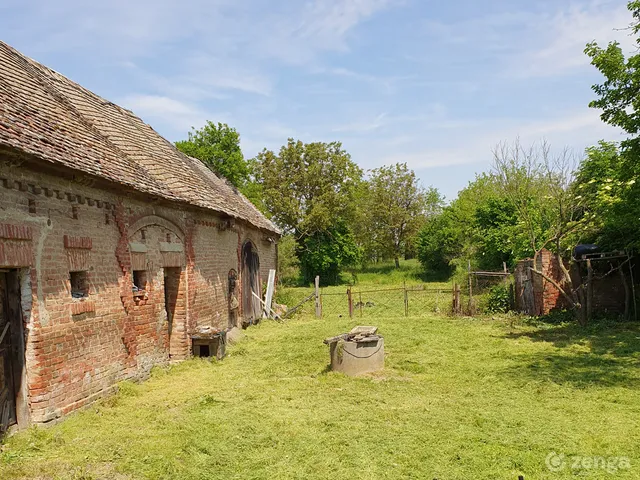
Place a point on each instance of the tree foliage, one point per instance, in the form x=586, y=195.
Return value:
x=606, y=183
x=310, y=189
x=394, y=207
x=327, y=252
x=611, y=175
x=218, y=146
x=480, y=226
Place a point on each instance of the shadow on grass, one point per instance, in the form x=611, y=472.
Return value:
x=606, y=354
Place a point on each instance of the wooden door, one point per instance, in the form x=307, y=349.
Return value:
x=7, y=361
x=251, y=306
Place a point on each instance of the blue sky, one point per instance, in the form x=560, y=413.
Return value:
x=431, y=83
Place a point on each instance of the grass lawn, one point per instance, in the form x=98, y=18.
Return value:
x=459, y=399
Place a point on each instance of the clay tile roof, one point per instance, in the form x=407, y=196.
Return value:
x=45, y=114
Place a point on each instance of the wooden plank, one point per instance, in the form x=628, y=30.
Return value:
x=4, y=410
x=275, y=315
x=4, y=332
x=290, y=311
x=269, y=295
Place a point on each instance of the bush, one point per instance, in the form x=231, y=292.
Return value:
x=288, y=264
x=499, y=300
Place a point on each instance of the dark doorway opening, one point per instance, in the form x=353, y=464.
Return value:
x=12, y=356
x=171, y=291
x=251, y=307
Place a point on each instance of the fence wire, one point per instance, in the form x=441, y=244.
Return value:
x=483, y=292
x=470, y=298
x=414, y=300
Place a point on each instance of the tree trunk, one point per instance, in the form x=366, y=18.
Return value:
x=397, y=259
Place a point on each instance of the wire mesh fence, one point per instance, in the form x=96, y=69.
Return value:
x=477, y=295
x=488, y=291
x=396, y=301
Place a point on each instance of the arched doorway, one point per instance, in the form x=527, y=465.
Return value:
x=251, y=308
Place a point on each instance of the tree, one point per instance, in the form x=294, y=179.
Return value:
x=309, y=190
x=610, y=197
x=439, y=242
x=480, y=226
x=619, y=100
x=327, y=252
x=396, y=209
x=218, y=146
x=619, y=95
x=539, y=186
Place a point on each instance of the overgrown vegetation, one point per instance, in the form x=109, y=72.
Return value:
x=458, y=399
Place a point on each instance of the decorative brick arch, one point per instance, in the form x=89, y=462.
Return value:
x=150, y=220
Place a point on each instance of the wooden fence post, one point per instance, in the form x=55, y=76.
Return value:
x=360, y=302
x=589, y=290
x=318, y=305
x=456, y=299
x=406, y=299
x=350, y=299
x=470, y=283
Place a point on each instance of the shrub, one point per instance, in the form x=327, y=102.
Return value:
x=499, y=300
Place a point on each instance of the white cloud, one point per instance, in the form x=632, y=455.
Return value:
x=567, y=33
x=168, y=112
x=362, y=126
x=549, y=42
x=321, y=25
x=472, y=145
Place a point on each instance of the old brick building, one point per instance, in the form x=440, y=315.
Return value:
x=114, y=246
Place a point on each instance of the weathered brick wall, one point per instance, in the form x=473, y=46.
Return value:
x=608, y=292
x=549, y=297
x=78, y=348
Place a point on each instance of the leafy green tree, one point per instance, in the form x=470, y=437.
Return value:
x=396, y=206
x=288, y=264
x=619, y=100
x=480, y=226
x=327, y=252
x=606, y=183
x=218, y=146
x=497, y=234
x=309, y=189
x=540, y=187
x=440, y=241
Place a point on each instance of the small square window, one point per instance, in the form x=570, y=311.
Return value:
x=79, y=284
x=139, y=280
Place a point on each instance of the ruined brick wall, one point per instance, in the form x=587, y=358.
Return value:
x=608, y=292
x=77, y=349
x=547, y=295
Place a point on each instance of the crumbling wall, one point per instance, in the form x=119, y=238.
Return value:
x=77, y=349
x=537, y=296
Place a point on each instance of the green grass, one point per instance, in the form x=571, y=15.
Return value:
x=459, y=399
x=383, y=273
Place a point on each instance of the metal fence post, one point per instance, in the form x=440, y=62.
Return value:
x=318, y=305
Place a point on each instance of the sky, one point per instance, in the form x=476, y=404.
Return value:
x=434, y=84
